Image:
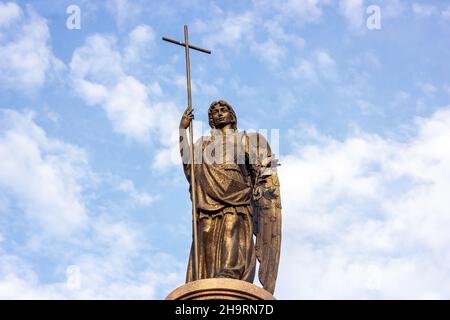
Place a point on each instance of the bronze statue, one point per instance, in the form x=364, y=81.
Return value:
x=236, y=195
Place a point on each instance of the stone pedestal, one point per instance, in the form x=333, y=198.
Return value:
x=219, y=289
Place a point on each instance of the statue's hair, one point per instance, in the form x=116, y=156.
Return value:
x=230, y=108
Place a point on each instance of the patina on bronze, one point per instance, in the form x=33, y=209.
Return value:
x=237, y=195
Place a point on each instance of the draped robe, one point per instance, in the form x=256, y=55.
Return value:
x=224, y=209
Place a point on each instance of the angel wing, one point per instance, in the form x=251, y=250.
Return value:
x=267, y=215
x=266, y=208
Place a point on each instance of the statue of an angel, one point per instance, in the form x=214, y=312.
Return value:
x=237, y=196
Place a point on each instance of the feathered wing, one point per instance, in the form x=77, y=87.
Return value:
x=268, y=229
x=267, y=211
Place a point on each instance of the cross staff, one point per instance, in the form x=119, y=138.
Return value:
x=188, y=46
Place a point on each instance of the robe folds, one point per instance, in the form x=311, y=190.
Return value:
x=224, y=210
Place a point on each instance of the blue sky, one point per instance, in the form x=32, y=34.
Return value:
x=93, y=200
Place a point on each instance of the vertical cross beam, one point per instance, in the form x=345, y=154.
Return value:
x=187, y=46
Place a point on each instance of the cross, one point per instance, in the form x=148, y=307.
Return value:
x=188, y=46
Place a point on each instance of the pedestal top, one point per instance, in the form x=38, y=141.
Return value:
x=219, y=289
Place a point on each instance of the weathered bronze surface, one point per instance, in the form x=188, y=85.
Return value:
x=237, y=195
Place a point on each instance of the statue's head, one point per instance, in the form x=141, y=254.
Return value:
x=220, y=113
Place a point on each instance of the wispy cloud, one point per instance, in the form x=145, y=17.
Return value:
x=43, y=176
x=353, y=11
x=238, y=31
x=301, y=10
x=427, y=88
x=100, y=77
x=26, y=56
x=392, y=8
x=48, y=181
x=446, y=13
x=139, y=198
x=123, y=11
x=423, y=10
x=140, y=43
x=321, y=66
x=9, y=13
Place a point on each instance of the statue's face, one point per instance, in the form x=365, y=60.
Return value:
x=221, y=115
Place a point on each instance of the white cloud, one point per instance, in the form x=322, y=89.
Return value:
x=366, y=60
x=275, y=48
x=353, y=11
x=241, y=30
x=356, y=89
x=423, y=10
x=141, y=42
x=301, y=10
x=305, y=70
x=447, y=89
x=270, y=52
x=123, y=11
x=26, y=57
x=168, y=155
x=140, y=198
x=368, y=217
x=277, y=33
x=392, y=8
x=427, y=88
x=42, y=175
x=320, y=66
x=111, y=271
x=17, y=280
x=128, y=108
x=232, y=30
x=9, y=13
x=43, y=183
x=98, y=60
x=446, y=13
x=326, y=64
x=100, y=76
x=113, y=261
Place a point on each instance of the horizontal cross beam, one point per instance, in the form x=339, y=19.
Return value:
x=183, y=45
